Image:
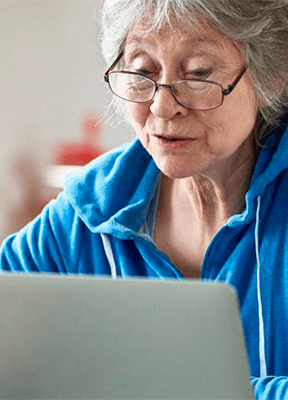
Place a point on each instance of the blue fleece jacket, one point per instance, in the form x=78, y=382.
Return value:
x=101, y=224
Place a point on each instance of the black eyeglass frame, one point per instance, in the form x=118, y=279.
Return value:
x=225, y=92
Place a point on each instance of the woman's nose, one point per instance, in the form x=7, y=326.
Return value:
x=164, y=105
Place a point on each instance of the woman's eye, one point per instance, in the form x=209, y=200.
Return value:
x=144, y=72
x=200, y=73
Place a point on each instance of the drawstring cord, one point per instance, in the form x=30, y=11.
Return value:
x=109, y=254
x=263, y=369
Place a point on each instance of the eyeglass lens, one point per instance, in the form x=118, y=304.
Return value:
x=199, y=95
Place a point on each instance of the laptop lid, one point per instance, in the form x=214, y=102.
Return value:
x=97, y=338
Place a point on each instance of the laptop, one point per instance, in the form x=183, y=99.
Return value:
x=68, y=337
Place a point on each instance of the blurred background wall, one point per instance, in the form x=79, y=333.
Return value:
x=51, y=68
x=51, y=75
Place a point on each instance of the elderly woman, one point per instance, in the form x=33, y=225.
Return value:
x=202, y=191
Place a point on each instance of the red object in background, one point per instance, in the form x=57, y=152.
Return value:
x=81, y=153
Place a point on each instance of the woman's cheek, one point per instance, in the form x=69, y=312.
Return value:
x=138, y=114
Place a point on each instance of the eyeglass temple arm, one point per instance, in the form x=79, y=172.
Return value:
x=112, y=66
x=233, y=84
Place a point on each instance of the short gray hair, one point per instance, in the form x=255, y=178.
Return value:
x=260, y=25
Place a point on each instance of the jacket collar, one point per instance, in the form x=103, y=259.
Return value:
x=112, y=193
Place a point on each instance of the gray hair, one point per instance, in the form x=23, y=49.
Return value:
x=260, y=25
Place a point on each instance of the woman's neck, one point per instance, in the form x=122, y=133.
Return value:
x=221, y=194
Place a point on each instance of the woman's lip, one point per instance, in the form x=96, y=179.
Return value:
x=171, y=137
x=172, y=141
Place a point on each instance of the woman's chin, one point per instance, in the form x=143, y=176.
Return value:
x=177, y=169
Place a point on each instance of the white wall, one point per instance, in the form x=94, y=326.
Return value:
x=51, y=70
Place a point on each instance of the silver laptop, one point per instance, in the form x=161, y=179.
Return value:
x=68, y=337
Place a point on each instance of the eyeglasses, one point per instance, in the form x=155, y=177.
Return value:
x=195, y=94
